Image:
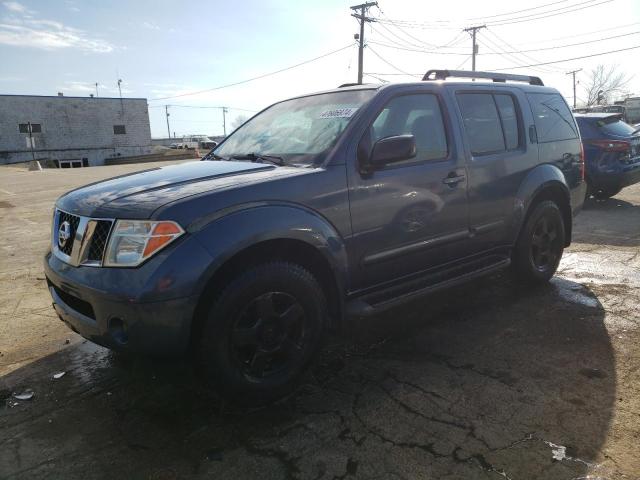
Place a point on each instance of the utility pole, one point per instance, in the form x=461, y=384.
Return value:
x=573, y=73
x=474, y=51
x=363, y=10
x=224, y=120
x=96, y=89
x=33, y=155
x=166, y=111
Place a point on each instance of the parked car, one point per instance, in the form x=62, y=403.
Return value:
x=321, y=208
x=194, y=141
x=612, y=153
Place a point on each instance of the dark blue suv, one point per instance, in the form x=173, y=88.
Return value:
x=319, y=209
x=612, y=153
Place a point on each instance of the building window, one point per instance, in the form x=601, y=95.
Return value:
x=24, y=128
x=119, y=130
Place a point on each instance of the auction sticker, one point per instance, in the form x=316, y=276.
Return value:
x=338, y=113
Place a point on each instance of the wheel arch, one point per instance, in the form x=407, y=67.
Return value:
x=546, y=182
x=274, y=232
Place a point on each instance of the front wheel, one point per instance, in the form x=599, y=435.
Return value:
x=605, y=193
x=262, y=332
x=540, y=245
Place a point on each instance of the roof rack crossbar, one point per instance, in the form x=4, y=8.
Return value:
x=496, y=77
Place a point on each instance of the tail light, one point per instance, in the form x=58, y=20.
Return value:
x=582, y=160
x=612, y=145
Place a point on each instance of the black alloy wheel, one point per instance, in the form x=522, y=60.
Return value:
x=269, y=335
x=540, y=244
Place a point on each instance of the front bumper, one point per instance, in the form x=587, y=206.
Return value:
x=142, y=310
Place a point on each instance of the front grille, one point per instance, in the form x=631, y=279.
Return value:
x=92, y=236
x=73, y=220
x=99, y=240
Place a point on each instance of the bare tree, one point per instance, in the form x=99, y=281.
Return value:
x=239, y=120
x=604, y=83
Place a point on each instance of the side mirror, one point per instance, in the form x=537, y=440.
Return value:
x=393, y=149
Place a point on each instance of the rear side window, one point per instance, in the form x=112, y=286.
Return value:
x=484, y=125
x=553, y=119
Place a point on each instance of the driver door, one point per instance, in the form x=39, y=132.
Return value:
x=411, y=215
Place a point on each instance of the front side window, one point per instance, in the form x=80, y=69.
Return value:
x=554, y=121
x=300, y=130
x=418, y=115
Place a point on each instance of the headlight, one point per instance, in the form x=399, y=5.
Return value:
x=133, y=241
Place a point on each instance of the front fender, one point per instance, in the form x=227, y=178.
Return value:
x=541, y=177
x=231, y=231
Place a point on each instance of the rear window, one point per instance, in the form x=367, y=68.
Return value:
x=614, y=126
x=553, y=119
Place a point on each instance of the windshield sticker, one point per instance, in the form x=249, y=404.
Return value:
x=338, y=113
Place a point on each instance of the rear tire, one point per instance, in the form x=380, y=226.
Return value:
x=262, y=332
x=540, y=245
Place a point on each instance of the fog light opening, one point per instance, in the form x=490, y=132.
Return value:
x=117, y=330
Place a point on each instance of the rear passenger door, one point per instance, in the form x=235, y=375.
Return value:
x=498, y=156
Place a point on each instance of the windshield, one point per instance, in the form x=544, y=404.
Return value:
x=301, y=130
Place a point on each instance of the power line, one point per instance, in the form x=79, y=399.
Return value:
x=523, y=19
x=202, y=106
x=527, y=58
x=253, y=78
x=580, y=34
x=576, y=44
x=417, y=50
x=389, y=63
x=506, y=21
x=519, y=11
x=569, y=59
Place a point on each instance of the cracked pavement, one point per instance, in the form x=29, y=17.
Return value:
x=489, y=380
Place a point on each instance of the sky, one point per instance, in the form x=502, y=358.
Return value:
x=167, y=48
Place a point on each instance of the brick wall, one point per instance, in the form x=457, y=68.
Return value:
x=73, y=128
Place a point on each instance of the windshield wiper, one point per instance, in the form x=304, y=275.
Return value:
x=259, y=157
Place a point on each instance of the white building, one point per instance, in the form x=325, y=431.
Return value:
x=72, y=131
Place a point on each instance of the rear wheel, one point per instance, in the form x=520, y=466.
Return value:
x=262, y=332
x=540, y=244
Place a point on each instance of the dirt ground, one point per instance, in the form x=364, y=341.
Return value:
x=489, y=380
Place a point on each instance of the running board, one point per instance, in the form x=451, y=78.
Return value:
x=373, y=304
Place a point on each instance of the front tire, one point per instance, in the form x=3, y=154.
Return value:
x=262, y=332
x=540, y=245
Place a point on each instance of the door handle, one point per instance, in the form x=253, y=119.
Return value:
x=452, y=180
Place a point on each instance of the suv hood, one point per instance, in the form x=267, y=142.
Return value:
x=138, y=195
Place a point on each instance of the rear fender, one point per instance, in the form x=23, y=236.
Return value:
x=543, y=177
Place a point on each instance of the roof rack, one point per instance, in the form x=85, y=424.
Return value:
x=496, y=77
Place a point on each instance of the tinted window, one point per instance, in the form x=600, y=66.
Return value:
x=481, y=122
x=553, y=118
x=119, y=130
x=509, y=118
x=417, y=115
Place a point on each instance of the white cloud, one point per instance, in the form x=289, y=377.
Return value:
x=150, y=25
x=15, y=7
x=23, y=30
